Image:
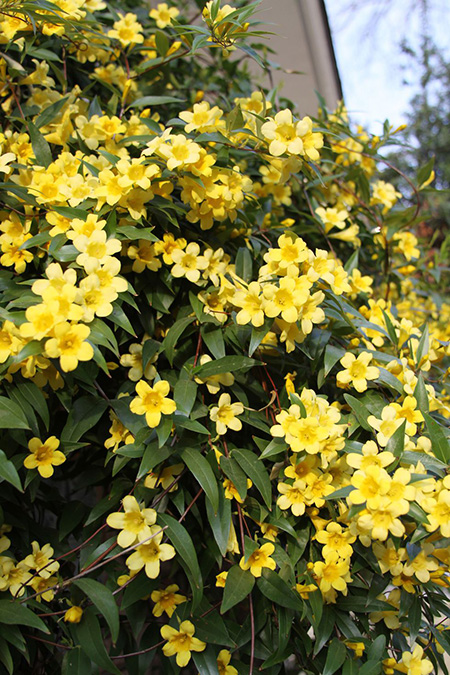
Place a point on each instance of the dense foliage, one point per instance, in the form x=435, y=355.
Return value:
x=224, y=413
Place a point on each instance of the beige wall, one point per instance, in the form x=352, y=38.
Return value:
x=302, y=43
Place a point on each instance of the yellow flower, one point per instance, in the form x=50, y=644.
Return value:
x=164, y=477
x=213, y=382
x=252, y=304
x=293, y=497
x=69, y=344
x=259, y=559
x=181, y=642
x=385, y=194
x=357, y=371
x=152, y=402
x=179, y=152
x=167, y=246
x=127, y=30
x=134, y=523
x=231, y=491
x=163, y=14
x=44, y=455
x=332, y=218
x=370, y=485
x=166, y=600
x=292, y=137
x=41, y=560
x=335, y=539
x=95, y=250
x=133, y=361
x=188, y=263
x=415, y=663
x=221, y=579
x=150, y=554
x=73, y=614
x=223, y=660
x=387, y=425
x=225, y=415
x=383, y=519
x=305, y=589
x=44, y=587
x=357, y=647
x=371, y=456
x=332, y=573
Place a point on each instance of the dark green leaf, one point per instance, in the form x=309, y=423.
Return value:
x=361, y=412
x=76, y=662
x=91, y=640
x=171, y=339
x=256, y=471
x=154, y=100
x=336, y=654
x=8, y=472
x=227, y=364
x=201, y=469
x=13, y=613
x=396, y=443
x=40, y=146
x=277, y=590
x=11, y=415
x=238, y=585
x=104, y=600
x=233, y=471
x=244, y=264
x=440, y=444
x=184, y=395
x=220, y=521
x=185, y=548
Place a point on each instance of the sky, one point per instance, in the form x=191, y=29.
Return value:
x=370, y=63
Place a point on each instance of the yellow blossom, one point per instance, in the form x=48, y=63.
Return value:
x=73, y=614
x=44, y=455
x=150, y=553
x=166, y=600
x=357, y=371
x=134, y=523
x=223, y=663
x=152, y=402
x=163, y=14
x=225, y=414
x=259, y=559
x=69, y=344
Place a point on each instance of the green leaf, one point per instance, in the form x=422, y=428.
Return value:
x=76, y=662
x=361, y=412
x=185, y=548
x=13, y=613
x=396, y=443
x=104, y=600
x=184, y=395
x=331, y=357
x=377, y=650
x=220, y=521
x=233, y=471
x=421, y=395
x=275, y=447
x=238, y=585
x=146, y=101
x=206, y=662
x=171, y=339
x=227, y=364
x=11, y=415
x=213, y=338
x=414, y=618
x=49, y=113
x=149, y=349
x=8, y=472
x=371, y=668
x=244, y=264
x=255, y=470
x=424, y=346
x=440, y=444
x=119, y=317
x=424, y=172
x=35, y=398
x=91, y=640
x=277, y=590
x=135, y=233
x=201, y=469
x=41, y=148
x=336, y=654
x=85, y=414
x=258, y=335
x=324, y=629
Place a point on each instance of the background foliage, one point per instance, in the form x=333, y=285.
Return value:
x=221, y=337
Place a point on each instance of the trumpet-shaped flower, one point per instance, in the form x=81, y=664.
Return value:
x=152, y=402
x=225, y=415
x=134, y=523
x=44, y=456
x=150, y=554
x=357, y=371
x=259, y=559
x=181, y=642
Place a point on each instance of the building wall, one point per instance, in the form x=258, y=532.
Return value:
x=302, y=42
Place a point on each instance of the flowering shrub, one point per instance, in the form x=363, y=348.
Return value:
x=223, y=354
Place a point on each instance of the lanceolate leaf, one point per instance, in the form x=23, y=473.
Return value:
x=104, y=600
